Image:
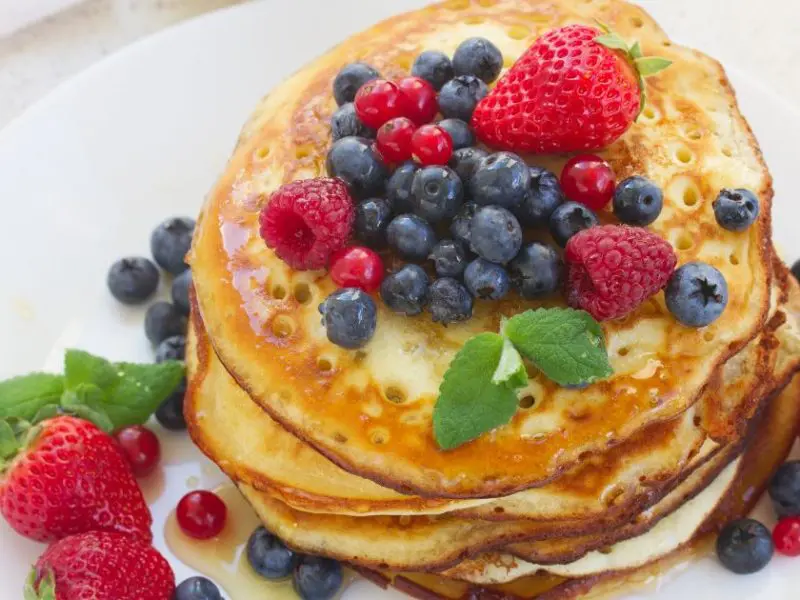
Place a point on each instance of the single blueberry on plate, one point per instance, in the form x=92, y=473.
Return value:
x=434, y=67
x=696, y=294
x=495, y=234
x=350, y=79
x=398, y=190
x=132, y=280
x=436, y=193
x=406, y=291
x=543, y=196
x=459, y=131
x=197, y=588
x=570, y=218
x=269, y=556
x=172, y=348
x=736, y=210
x=485, y=280
x=170, y=413
x=345, y=123
x=317, y=578
x=480, y=57
x=638, y=201
x=350, y=317
x=450, y=258
x=745, y=546
x=465, y=162
x=372, y=218
x=784, y=489
x=354, y=161
x=450, y=301
x=460, y=225
x=163, y=320
x=412, y=237
x=796, y=270
x=180, y=291
x=170, y=242
x=502, y=179
x=460, y=96
x=536, y=271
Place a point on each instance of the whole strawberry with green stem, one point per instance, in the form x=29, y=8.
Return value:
x=576, y=88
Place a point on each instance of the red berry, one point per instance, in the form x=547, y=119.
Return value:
x=432, y=145
x=588, y=179
x=421, y=105
x=357, y=267
x=394, y=139
x=786, y=536
x=141, y=447
x=201, y=514
x=305, y=221
x=613, y=269
x=379, y=101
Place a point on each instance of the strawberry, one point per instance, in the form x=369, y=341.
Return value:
x=71, y=478
x=576, y=88
x=100, y=566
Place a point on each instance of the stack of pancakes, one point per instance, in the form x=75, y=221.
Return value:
x=334, y=448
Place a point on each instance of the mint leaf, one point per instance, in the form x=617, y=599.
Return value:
x=566, y=345
x=82, y=367
x=140, y=391
x=23, y=396
x=510, y=369
x=469, y=403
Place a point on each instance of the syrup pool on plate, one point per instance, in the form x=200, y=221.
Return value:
x=223, y=558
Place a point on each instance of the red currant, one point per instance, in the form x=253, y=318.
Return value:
x=432, y=145
x=421, y=106
x=201, y=514
x=379, y=101
x=141, y=447
x=394, y=139
x=588, y=179
x=786, y=536
x=357, y=267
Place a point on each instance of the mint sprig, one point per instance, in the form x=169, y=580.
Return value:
x=479, y=389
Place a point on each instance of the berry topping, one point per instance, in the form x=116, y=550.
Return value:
x=172, y=348
x=398, y=189
x=305, y=221
x=180, y=291
x=201, y=514
x=613, y=269
x=465, y=162
x=412, y=237
x=269, y=556
x=460, y=225
x=450, y=301
x=357, y=267
x=379, y=101
x=696, y=294
x=478, y=57
x=638, y=201
x=317, y=578
x=350, y=318
x=544, y=195
x=354, y=161
x=436, y=193
x=345, y=123
x=432, y=145
x=784, y=489
x=744, y=546
x=450, y=258
x=459, y=132
x=500, y=179
x=421, y=105
x=170, y=413
x=132, y=280
x=406, y=291
x=736, y=210
x=485, y=280
x=796, y=270
x=141, y=447
x=786, y=536
x=536, y=271
x=394, y=139
x=434, y=67
x=349, y=81
x=170, y=242
x=197, y=588
x=568, y=219
x=588, y=179
x=495, y=234
x=163, y=320
x=372, y=219
x=459, y=97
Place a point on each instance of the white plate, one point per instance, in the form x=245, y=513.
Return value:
x=87, y=172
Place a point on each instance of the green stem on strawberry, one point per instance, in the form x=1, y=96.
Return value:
x=46, y=587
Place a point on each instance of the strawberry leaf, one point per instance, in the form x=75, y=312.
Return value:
x=636, y=50
x=613, y=41
x=650, y=65
x=46, y=587
x=8, y=441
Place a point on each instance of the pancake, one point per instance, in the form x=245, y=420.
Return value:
x=363, y=410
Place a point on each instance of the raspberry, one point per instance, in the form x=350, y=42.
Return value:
x=305, y=221
x=613, y=269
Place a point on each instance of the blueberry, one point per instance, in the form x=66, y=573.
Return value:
x=460, y=96
x=269, y=556
x=170, y=242
x=465, y=162
x=317, y=578
x=434, y=67
x=180, y=291
x=570, y=218
x=398, y=190
x=406, y=291
x=197, y=588
x=460, y=225
x=411, y=237
x=172, y=348
x=353, y=160
x=449, y=258
x=745, y=546
x=486, y=280
x=796, y=270
x=170, y=413
x=450, y=301
x=163, y=320
x=696, y=294
x=345, y=123
x=436, y=193
x=502, y=179
x=350, y=317
x=350, y=79
x=784, y=490
x=372, y=219
x=735, y=210
x=479, y=57
x=536, y=271
x=543, y=196
x=495, y=234
x=638, y=201
x=459, y=132
x=132, y=280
